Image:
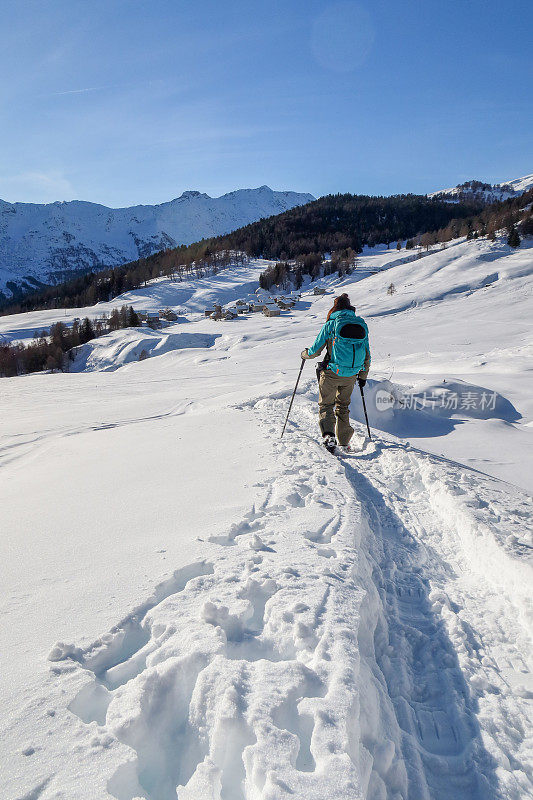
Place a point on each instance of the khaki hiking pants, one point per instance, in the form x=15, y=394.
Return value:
x=334, y=402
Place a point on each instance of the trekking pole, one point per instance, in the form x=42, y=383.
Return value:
x=364, y=409
x=292, y=398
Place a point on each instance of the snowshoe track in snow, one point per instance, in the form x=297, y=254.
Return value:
x=328, y=646
x=431, y=701
x=237, y=682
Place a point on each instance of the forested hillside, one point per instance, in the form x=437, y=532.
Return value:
x=341, y=221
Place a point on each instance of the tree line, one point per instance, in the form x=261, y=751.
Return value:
x=285, y=273
x=56, y=349
x=514, y=216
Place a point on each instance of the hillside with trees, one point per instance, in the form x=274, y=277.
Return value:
x=344, y=221
x=339, y=225
x=55, y=349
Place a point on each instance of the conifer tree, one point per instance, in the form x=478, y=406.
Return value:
x=114, y=320
x=513, y=240
x=86, y=331
x=133, y=319
x=123, y=316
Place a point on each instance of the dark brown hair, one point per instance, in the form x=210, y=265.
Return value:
x=341, y=303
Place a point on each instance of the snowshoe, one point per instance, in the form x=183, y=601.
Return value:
x=330, y=443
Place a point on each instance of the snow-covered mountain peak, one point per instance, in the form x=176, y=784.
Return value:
x=46, y=244
x=192, y=193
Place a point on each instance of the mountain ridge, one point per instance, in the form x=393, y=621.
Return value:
x=485, y=192
x=44, y=244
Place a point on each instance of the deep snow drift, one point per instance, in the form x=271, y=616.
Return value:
x=47, y=242
x=230, y=616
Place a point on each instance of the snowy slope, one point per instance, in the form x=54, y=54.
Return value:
x=486, y=192
x=192, y=295
x=234, y=617
x=50, y=242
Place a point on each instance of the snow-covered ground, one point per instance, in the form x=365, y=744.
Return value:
x=191, y=295
x=193, y=608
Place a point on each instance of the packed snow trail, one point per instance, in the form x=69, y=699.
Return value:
x=339, y=644
x=455, y=587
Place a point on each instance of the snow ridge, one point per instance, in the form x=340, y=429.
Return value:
x=52, y=242
x=486, y=192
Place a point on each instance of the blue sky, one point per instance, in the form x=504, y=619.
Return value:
x=123, y=102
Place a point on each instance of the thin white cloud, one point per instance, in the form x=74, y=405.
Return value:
x=129, y=84
x=80, y=91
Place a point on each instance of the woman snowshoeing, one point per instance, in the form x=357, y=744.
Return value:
x=345, y=335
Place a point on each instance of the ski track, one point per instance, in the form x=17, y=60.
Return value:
x=23, y=447
x=354, y=636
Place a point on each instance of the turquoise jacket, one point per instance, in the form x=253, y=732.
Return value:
x=346, y=336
